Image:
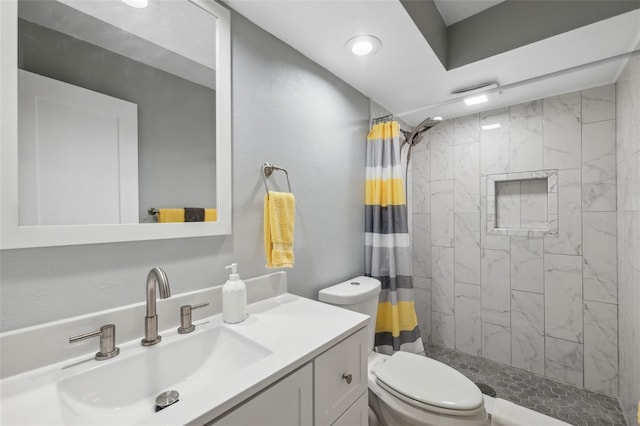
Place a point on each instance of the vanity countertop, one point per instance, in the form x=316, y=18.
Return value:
x=292, y=330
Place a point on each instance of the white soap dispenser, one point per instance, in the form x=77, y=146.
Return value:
x=234, y=297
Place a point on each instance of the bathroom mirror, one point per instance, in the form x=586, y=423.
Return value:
x=109, y=109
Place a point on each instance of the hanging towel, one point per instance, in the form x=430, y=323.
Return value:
x=210, y=215
x=279, y=221
x=187, y=214
x=170, y=215
x=193, y=214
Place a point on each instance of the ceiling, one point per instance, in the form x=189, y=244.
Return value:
x=407, y=76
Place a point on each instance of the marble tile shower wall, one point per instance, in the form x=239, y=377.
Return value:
x=628, y=168
x=547, y=305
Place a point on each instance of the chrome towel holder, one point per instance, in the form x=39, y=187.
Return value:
x=267, y=171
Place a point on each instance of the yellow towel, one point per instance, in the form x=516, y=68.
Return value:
x=170, y=215
x=279, y=221
x=210, y=215
x=177, y=215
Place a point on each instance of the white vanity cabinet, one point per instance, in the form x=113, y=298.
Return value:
x=356, y=415
x=286, y=402
x=340, y=378
x=329, y=390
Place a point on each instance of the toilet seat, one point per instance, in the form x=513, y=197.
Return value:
x=428, y=384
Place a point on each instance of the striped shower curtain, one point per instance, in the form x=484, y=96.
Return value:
x=387, y=242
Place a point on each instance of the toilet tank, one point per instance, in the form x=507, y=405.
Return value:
x=359, y=294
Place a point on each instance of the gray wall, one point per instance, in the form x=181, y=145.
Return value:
x=427, y=18
x=176, y=132
x=628, y=159
x=483, y=35
x=286, y=110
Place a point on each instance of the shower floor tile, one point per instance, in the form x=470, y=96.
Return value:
x=572, y=405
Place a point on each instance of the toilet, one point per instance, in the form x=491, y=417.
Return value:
x=405, y=388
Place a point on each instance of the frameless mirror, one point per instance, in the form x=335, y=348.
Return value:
x=112, y=111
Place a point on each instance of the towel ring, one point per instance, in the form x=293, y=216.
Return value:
x=267, y=170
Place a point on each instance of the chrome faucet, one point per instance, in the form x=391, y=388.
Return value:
x=157, y=277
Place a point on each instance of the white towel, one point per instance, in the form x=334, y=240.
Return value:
x=506, y=413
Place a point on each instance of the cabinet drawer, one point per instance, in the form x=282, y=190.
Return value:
x=356, y=415
x=286, y=403
x=340, y=377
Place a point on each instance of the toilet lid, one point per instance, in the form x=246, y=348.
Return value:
x=428, y=381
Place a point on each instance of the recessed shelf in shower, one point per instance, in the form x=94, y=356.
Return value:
x=523, y=204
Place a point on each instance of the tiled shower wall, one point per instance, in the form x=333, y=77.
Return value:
x=628, y=166
x=546, y=305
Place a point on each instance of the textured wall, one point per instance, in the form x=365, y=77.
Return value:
x=546, y=305
x=628, y=162
x=286, y=110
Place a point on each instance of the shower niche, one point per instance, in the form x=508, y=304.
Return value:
x=523, y=204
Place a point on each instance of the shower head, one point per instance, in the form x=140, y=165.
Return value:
x=415, y=136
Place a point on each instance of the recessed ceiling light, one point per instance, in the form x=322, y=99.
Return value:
x=491, y=126
x=363, y=45
x=438, y=118
x=138, y=4
x=476, y=100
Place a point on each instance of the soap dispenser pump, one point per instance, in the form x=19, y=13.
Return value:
x=234, y=297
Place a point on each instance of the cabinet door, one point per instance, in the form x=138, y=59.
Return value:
x=286, y=403
x=340, y=377
x=356, y=415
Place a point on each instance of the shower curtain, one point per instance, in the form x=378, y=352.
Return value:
x=387, y=242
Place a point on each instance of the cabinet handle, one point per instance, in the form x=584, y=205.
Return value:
x=347, y=377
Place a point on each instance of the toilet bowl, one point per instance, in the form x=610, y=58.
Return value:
x=404, y=388
x=415, y=392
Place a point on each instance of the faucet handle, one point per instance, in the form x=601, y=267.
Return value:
x=107, y=335
x=186, y=326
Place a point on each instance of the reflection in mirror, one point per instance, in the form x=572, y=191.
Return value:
x=117, y=110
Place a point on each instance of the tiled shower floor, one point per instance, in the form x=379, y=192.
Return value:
x=572, y=405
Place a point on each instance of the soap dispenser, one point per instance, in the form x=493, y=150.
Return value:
x=234, y=297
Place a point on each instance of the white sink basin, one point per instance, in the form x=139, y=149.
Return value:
x=125, y=388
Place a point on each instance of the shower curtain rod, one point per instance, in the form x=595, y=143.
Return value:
x=382, y=118
x=385, y=118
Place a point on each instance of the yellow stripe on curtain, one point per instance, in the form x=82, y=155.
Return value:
x=384, y=192
x=394, y=318
x=389, y=129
